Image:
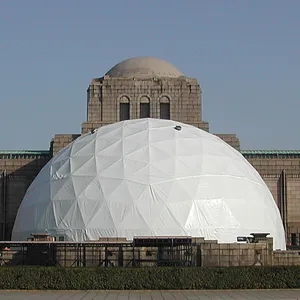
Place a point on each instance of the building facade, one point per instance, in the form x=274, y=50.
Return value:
x=147, y=87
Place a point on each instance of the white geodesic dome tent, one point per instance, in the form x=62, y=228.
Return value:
x=149, y=177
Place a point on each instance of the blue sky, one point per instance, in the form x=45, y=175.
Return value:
x=245, y=54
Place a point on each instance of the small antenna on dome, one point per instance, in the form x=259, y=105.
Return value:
x=178, y=127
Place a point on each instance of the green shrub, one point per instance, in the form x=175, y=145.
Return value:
x=56, y=278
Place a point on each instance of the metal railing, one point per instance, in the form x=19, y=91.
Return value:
x=97, y=254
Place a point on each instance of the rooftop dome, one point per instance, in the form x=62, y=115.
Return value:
x=144, y=67
x=149, y=177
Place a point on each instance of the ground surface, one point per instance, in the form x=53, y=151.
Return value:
x=149, y=295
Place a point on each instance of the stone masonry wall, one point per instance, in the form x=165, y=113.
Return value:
x=274, y=166
x=249, y=254
x=105, y=94
x=20, y=172
x=293, y=205
x=30, y=166
x=235, y=254
x=2, y=218
x=230, y=139
x=271, y=171
x=272, y=181
x=16, y=189
x=62, y=140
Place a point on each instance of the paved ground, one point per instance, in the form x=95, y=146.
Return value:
x=149, y=295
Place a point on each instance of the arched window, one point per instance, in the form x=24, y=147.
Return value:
x=164, y=107
x=144, y=107
x=124, y=108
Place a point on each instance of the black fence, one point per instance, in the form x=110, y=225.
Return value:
x=146, y=252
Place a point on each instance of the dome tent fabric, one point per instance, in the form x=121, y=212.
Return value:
x=149, y=177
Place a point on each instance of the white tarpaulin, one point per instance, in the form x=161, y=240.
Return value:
x=147, y=177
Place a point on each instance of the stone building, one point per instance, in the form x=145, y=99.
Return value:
x=145, y=87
